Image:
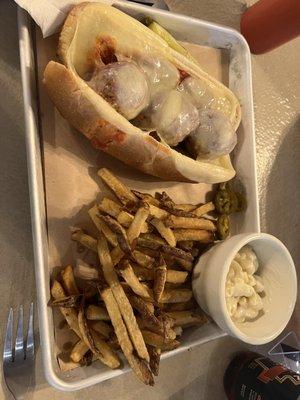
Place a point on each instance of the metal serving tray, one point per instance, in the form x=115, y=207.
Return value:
x=185, y=29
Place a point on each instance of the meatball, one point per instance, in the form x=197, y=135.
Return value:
x=173, y=116
x=124, y=85
x=214, y=137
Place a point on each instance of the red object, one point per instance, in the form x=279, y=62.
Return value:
x=270, y=23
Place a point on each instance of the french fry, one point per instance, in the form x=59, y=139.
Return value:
x=141, y=306
x=116, y=255
x=204, y=209
x=186, y=245
x=150, y=240
x=157, y=212
x=176, y=295
x=164, y=231
x=125, y=219
x=187, y=318
x=102, y=226
x=69, y=282
x=96, y=313
x=93, y=340
x=160, y=276
x=163, y=330
x=178, y=331
x=119, y=231
x=186, y=207
x=176, y=253
x=86, y=240
x=189, y=223
x=120, y=190
x=79, y=351
x=174, y=276
x=108, y=356
x=85, y=271
x=129, y=276
x=146, y=198
x=154, y=359
x=184, y=306
x=137, y=365
x=110, y=207
x=121, y=298
x=158, y=341
x=143, y=259
x=196, y=235
x=135, y=227
x=101, y=327
x=70, y=314
x=143, y=274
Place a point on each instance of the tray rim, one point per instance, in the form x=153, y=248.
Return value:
x=36, y=192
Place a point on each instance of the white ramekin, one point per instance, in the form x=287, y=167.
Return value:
x=279, y=277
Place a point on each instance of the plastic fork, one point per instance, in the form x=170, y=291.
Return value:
x=18, y=359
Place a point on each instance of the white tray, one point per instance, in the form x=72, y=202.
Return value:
x=185, y=29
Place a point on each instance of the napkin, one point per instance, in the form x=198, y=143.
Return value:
x=50, y=14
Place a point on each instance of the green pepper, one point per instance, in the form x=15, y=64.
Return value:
x=241, y=202
x=223, y=226
x=225, y=201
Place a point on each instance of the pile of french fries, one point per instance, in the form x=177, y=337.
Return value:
x=139, y=298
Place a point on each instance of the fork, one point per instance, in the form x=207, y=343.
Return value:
x=18, y=360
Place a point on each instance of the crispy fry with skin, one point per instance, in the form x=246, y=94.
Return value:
x=116, y=255
x=120, y=190
x=102, y=226
x=160, y=276
x=204, y=209
x=109, y=357
x=154, y=359
x=158, y=341
x=157, y=212
x=143, y=274
x=113, y=309
x=70, y=314
x=109, y=207
x=176, y=253
x=121, y=298
x=69, y=282
x=186, y=245
x=101, y=327
x=97, y=345
x=86, y=240
x=85, y=271
x=125, y=269
x=120, y=232
x=196, y=235
x=185, y=306
x=164, y=231
x=187, y=318
x=146, y=198
x=174, y=276
x=141, y=306
x=186, y=207
x=143, y=259
x=125, y=219
x=189, y=223
x=176, y=295
x=79, y=351
x=165, y=331
x=150, y=240
x=97, y=313
x=135, y=227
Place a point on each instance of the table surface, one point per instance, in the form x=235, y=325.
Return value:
x=197, y=374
